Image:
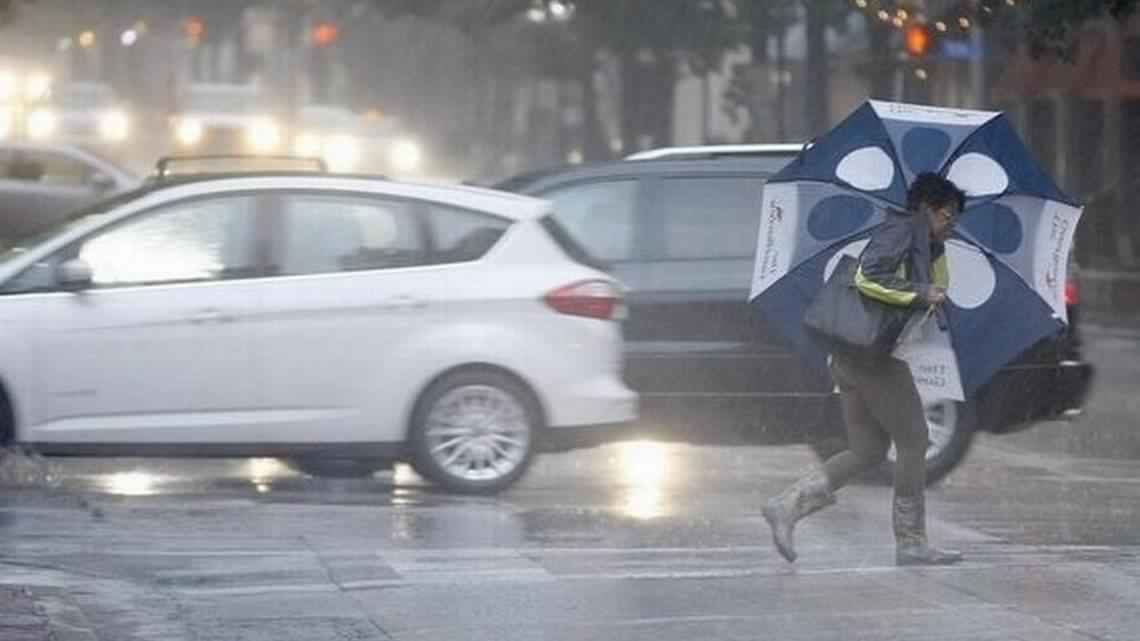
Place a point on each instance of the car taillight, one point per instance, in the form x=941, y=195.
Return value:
x=592, y=299
x=1072, y=292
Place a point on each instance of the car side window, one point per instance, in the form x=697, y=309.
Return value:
x=51, y=168
x=199, y=240
x=710, y=218
x=601, y=216
x=460, y=235
x=332, y=233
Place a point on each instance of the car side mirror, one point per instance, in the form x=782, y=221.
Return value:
x=102, y=182
x=75, y=275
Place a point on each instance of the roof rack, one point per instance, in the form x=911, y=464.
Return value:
x=720, y=151
x=292, y=163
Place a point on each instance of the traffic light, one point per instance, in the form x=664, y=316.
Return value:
x=917, y=39
x=195, y=28
x=325, y=34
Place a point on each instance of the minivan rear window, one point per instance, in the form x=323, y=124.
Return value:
x=573, y=248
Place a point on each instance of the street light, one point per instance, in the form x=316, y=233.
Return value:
x=541, y=11
x=559, y=10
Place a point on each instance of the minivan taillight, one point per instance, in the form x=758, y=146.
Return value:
x=592, y=299
x=1072, y=292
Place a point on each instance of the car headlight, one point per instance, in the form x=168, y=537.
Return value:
x=189, y=132
x=41, y=124
x=7, y=85
x=38, y=86
x=114, y=126
x=308, y=145
x=342, y=153
x=7, y=120
x=406, y=155
x=264, y=135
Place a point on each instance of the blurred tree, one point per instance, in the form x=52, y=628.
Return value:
x=651, y=38
x=1052, y=25
x=764, y=20
x=819, y=15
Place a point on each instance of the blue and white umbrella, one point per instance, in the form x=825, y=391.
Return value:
x=1008, y=257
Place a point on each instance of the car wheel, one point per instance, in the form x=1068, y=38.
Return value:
x=951, y=427
x=344, y=468
x=474, y=432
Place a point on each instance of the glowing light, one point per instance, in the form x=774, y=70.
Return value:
x=342, y=153
x=903, y=14
x=883, y=15
x=129, y=37
x=264, y=135
x=862, y=4
x=308, y=145
x=560, y=10
x=921, y=74
x=262, y=470
x=941, y=26
x=964, y=22
x=403, y=474
x=189, y=132
x=575, y=157
x=406, y=155
x=898, y=22
x=7, y=85
x=114, y=126
x=87, y=39
x=41, y=124
x=38, y=86
x=6, y=122
x=643, y=470
x=132, y=483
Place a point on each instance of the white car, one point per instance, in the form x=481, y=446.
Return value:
x=83, y=113
x=341, y=323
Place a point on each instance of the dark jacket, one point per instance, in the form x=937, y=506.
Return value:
x=901, y=262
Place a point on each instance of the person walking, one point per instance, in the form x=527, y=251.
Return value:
x=903, y=265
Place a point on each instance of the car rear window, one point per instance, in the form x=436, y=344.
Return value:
x=460, y=235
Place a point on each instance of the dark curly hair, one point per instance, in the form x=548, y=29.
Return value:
x=934, y=190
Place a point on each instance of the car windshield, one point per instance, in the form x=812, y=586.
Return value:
x=83, y=97
x=221, y=100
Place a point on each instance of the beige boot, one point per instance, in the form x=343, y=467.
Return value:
x=911, y=547
x=810, y=494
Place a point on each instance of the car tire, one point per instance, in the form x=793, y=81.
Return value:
x=475, y=432
x=952, y=426
x=339, y=468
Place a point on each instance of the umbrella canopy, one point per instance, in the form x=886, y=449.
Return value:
x=1008, y=257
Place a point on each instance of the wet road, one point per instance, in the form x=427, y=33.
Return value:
x=630, y=541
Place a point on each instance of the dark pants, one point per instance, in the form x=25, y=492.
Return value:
x=880, y=403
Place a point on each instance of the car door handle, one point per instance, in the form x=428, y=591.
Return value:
x=209, y=316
